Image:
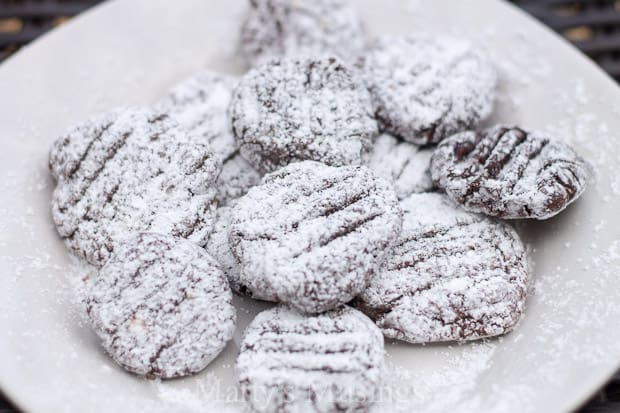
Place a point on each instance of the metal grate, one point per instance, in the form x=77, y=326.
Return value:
x=592, y=25
x=24, y=20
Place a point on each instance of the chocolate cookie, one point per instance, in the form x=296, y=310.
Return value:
x=509, y=173
x=275, y=29
x=161, y=307
x=296, y=110
x=219, y=248
x=236, y=178
x=404, y=164
x=291, y=362
x=127, y=171
x=311, y=235
x=200, y=105
x=427, y=88
x=453, y=275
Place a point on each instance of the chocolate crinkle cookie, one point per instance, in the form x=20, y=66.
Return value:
x=294, y=110
x=127, y=171
x=200, y=105
x=406, y=165
x=275, y=29
x=427, y=88
x=510, y=173
x=161, y=307
x=290, y=362
x=453, y=275
x=219, y=248
x=311, y=235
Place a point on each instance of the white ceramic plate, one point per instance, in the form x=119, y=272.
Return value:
x=131, y=51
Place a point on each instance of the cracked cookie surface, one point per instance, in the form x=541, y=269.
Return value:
x=311, y=235
x=161, y=307
x=289, y=362
x=127, y=171
x=276, y=29
x=426, y=88
x=295, y=110
x=453, y=276
x=406, y=165
x=200, y=105
x=509, y=173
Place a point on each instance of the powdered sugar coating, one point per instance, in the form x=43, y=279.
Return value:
x=291, y=362
x=200, y=105
x=453, y=275
x=404, y=164
x=236, y=178
x=426, y=88
x=294, y=110
x=161, y=307
x=219, y=248
x=127, y=171
x=274, y=29
x=509, y=173
x=311, y=235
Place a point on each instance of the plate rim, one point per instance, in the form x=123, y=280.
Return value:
x=22, y=404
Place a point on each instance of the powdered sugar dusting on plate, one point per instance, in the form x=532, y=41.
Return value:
x=495, y=374
x=446, y=388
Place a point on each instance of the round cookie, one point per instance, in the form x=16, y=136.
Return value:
x=276, y=29
x=294, y=110
x=200, y=105
x=453, y=276
x=291, y=362
x=509, y=173
x=127, y=171
x=311, y=235
x=404, y=164
x=427, y=88
x=161, y=307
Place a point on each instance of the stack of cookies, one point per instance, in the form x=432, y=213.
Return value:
x=342, y=177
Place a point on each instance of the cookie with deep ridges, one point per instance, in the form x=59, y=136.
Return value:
x=295, y=110
x=290, y=362
x=311, y=235
x=276, y=29
x=426, y=88
x=161, y=307
x=510, y=173
x=453, y=275
x=404, y=164
x=126, y=171
x=200, y=104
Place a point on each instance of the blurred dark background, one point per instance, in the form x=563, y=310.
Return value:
x=24, y=20
x=592, y=25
